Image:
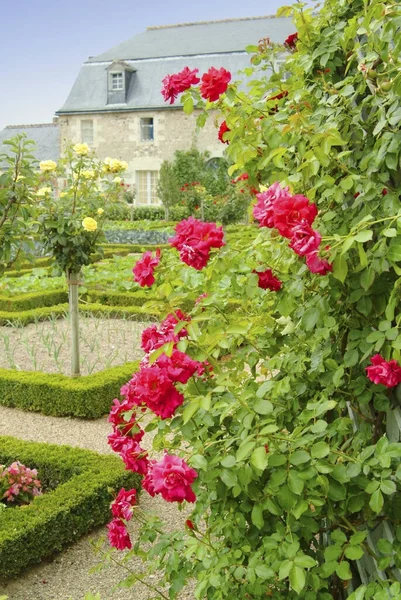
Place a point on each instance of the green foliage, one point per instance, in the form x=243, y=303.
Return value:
x=191, y=166
x=59, y=395
x=297, y=452
x=17, y=205
x=79, y=486
x=168, y=188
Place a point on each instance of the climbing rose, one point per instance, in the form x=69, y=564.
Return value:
x=317, y=265
x=134, y=457
x=189, y=524
x=154, y=337
x=263, y=211
x=222, y=130
x=304, y=239
x=153, y=387
x=172, y=478
x=214, y=83
x=122, y=505
x=179, y=367
x=194, y=240
x=291, y=41
x=118, y=535
x=144, y=268
x=267, y=281
x=386, y=372
x=178, y=83
x=291, y=211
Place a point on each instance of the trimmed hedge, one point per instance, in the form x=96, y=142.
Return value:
x=83, y=481
x=89, y=396
x=30, y=300
x=24, y=317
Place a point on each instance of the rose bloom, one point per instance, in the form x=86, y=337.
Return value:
x=222, y=130
x=267, y=281
x=385, y=372
x=214, y=83
x=178, y=83
x=263, y=211
x=291, y=211
x=153, y=337
x=44, y=191
x=122, y=507
x=89, y=224
x=100, y=211
x=144, y=268
x=81, y=149
x=304, y=239
x=154, y=388
x=317, y=265
x=291, y=41
x=89, y=174
x=134, y=457
x=194, y=239
x=118, y=535
x=172, y=478
x=47, y=166
x=179, y=367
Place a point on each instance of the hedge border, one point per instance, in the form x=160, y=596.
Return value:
x=80, y=502
x=24, y=317
x=89, y=396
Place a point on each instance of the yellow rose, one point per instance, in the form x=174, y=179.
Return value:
x=63, y=194
x=81, y=149
x=47, y=166
x=44, y=191
x=100, y=211
x=117, y=180
x=113, y=165
x=89, y=224
x=89, y=174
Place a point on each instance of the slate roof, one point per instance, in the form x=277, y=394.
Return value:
x=160, y=51
x=45, y=135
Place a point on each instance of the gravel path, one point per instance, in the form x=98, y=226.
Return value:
x=67, y=576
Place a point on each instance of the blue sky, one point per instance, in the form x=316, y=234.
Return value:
x=44, y=42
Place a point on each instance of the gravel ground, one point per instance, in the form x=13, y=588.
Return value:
x=45, y=346
x=67, y=575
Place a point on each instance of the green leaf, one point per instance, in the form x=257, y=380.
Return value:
x=259, y=458
x=310, y=318
x=244, y=450
x=295, y=483
x=228, y=461
x=351, y=358
x=320, y=450
x=388, y=487
x=376, y=501
x=299, y=457
x=229, y=478
x=285, y=569
x=297, y=579
x=354, y=552
x=257, y=516
x=263, y=407
x=364, y=236
x=340, y=268
x=190, y=410
x=188, y=105
x=394, y=250
x=263, y=571
x=305, y=561
x=343, y=571
x=384, y=546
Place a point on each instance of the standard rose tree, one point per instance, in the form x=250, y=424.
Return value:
x=71, y=219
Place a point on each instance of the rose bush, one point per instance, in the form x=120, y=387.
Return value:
x=292, y=431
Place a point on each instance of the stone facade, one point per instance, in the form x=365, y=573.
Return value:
x=118, y=135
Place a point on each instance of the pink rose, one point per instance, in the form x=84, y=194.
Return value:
x=144, y=268
x=318, y=265
x=118, y=535
x=172, y=478
x=385, y=372
x=264, y=211
x=304, y=239
x=122, y=507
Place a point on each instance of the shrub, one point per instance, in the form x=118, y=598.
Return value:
x=81, y=486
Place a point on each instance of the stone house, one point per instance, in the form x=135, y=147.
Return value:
x=116, y=105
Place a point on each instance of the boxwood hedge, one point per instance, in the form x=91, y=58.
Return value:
x=79, y=487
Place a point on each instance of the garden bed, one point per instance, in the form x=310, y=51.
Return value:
x=83, y=482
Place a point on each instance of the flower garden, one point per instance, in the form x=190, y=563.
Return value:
x=256, y=395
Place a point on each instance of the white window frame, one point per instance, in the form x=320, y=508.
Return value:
x=116, y=81
x=87, y=124
x=148, y=127
x=148, y=188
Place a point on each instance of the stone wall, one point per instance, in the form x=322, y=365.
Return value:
x=118, y=135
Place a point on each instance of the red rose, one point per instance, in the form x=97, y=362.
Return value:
x=267, y=281
x=317, y=265
x=264, y=210
x=122, y=507
x=178, y=83
x=118, y=535
x=189, y=524
x=194, y=240
x=385, y=372
x=172, y=478
x=214, y=83
x=291, y=211
x=304, y=239
x=384, y=192
x=291, y=41
x=222, y=130
x=144, y=269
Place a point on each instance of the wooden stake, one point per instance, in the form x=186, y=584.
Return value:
x=73, y=283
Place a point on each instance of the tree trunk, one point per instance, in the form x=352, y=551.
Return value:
x=73, y=282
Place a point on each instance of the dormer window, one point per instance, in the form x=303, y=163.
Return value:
x=117, y=81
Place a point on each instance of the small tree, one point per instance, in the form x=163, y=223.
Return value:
x=70, y=231
x=168, y=189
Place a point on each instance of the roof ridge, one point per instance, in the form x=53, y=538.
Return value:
x=209, y=22
x=31, y=125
